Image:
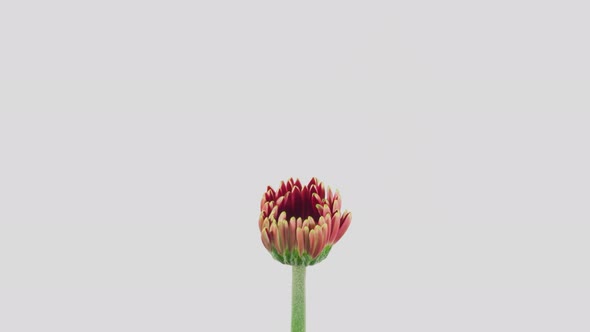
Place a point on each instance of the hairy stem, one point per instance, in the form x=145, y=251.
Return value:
x=298, y=299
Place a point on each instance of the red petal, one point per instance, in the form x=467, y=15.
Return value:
x=313, y=189
x=313, y=182
x=281, y=202
x=282, y=189
x=297, y=208
x=305, y=202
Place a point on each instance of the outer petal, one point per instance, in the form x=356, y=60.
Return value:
x=283, y=235
x=306, y=238
x=292, y=233
x=260, y=220
x=329, y=227
x=265, y=239
x=337, y=204
x=319, y=237
x=346, y=219
x=313, y=242
x=300, y=241
x=335, y=227
x=274, y=236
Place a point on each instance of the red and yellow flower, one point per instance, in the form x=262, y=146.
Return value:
x=300, y=224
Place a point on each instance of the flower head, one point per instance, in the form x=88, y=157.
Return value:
x=300, y=224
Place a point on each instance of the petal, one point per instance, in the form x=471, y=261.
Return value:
x=319, y=236
x=287, y=203
x=328, y=219
x=337, y=204
x=262, y=201
x=292, y=233
x=326, y=209
x=261, y=220
x=290, y=205
x=283, y=235
x=280, y=202
x=324, y=238
x=313, y=182
x=305, y=200
x=319, y=208
x=313, y=242
x=297, y=204
x=270, y=193
x=306, y=223
x=346, y=219
x=265, y=239
x=322, y=190
x=274, y=235
x=306, y=238
x=313, y=189
x=316, y=199
x=266, y=223
x=266, y=208
x=282, y=189
x=282, y=216
x=311, y=222
x=275, y=212
x=335, y=227
x=300, y=241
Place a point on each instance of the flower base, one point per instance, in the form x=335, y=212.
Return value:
x=292, y=257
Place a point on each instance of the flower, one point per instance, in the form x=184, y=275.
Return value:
x=300, y=224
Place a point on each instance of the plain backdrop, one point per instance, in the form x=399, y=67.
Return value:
x=137, y=138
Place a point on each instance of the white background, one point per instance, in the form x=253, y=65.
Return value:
x=136, y=140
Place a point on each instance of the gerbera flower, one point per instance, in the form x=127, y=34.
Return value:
x=300, y=224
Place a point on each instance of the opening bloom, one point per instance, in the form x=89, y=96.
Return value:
x=300, y=224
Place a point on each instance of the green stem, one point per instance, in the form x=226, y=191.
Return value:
x=298, y=299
